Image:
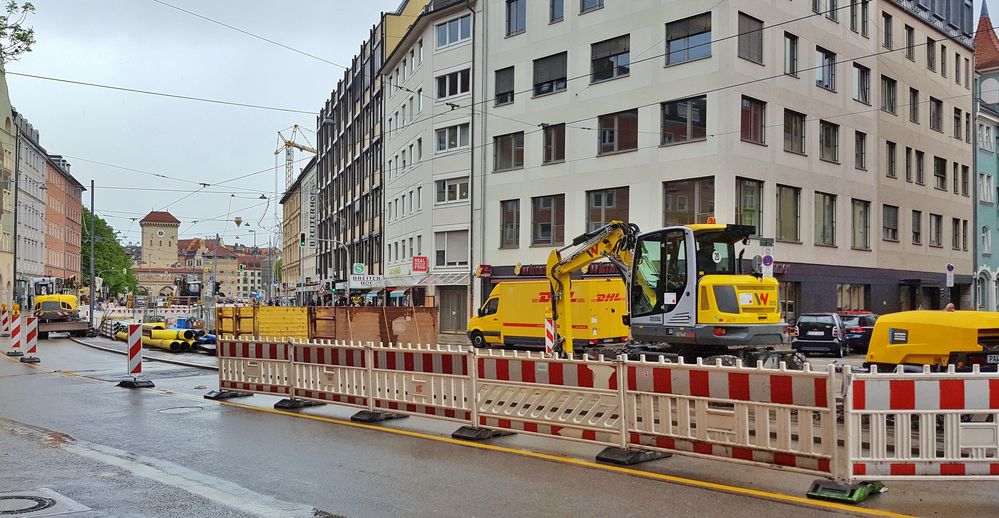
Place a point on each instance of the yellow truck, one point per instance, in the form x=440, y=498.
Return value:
x=514, y=313
x=59, y=313
x=936, y=338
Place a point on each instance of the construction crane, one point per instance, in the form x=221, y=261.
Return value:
x=289, y=146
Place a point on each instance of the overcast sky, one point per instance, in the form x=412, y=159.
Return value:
x=144, y=45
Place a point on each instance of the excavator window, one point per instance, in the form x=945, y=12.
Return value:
x=716, y=253
x=659, y=278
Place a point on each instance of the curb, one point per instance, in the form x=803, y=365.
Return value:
x=147, y=358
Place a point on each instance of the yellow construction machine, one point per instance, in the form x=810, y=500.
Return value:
x=686, y=294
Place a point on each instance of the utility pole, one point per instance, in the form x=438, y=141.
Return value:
x=93, y=237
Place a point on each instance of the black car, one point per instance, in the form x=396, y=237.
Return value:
x=859, y=327
x=820, y=333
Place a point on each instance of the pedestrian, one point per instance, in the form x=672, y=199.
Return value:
x=950, y=307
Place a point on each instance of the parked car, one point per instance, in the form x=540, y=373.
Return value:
x=820, y=333
x=859, y=328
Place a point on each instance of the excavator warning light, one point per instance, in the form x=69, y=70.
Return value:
x=712, y=220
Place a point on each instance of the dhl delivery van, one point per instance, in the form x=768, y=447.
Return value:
x=514, y=313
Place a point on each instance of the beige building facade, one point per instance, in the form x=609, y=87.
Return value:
x=8, y=148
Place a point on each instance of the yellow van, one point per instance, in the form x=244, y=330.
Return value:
x=514, y=313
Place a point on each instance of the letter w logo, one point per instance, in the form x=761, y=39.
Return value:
x=762, y=298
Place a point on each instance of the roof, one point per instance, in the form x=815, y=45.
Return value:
x=986, y=42
x=160, y=217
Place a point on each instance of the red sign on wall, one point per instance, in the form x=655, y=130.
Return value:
x=419, y=263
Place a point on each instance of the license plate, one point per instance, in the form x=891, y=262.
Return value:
x=992, y=358
x=815, y=333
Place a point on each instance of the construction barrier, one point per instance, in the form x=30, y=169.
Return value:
x=897, y=425
x=134, y=349
x=5, y=321
x=925, y=425
x=371, y=323
x=15, y=337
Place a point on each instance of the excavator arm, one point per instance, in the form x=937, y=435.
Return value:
x=615, y=241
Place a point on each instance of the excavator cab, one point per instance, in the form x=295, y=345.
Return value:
x=686, y=288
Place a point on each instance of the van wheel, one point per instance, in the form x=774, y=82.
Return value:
x=478, y=340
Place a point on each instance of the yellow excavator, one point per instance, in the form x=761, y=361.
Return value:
x=686, y=294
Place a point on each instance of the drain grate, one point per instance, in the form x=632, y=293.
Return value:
x=37, y=502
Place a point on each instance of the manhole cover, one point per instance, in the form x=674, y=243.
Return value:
x=180, y=410
x=37, y=502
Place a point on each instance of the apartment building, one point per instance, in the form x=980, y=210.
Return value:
x=427, y=141
x=986, y=231
x=8, y=161
x=299, y=209
x=839, y=129
x=63, y=220
x=31, y=169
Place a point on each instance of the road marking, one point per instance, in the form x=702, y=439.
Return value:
x=703, y=484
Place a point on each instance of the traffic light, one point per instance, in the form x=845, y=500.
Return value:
x=301, y=239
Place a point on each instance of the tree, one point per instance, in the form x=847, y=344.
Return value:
x=110, y=259
x=277, y=270
x=15, y=38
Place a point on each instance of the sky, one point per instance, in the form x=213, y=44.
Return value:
x=142, y=44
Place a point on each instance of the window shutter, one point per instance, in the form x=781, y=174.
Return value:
x=611, y=47
x=504, y=80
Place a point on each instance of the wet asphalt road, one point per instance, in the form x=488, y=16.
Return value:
x=168, y=452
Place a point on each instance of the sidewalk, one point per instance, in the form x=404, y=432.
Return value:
x=453, y=339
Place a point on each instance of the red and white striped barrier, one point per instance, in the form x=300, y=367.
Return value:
x=331, y=371
x=31, y=340
x=549, y=336
x=134, y=349
x=257, y=366
x=431, y=380
x=925, y=425
x=5, y=321
x=15, y=338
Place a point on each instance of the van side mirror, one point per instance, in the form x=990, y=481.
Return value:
x=480, y=312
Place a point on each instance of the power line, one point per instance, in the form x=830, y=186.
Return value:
x=161, y=94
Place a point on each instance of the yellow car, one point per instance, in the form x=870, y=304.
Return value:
x=937, y=339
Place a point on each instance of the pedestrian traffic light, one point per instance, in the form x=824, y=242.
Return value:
x=301, y=239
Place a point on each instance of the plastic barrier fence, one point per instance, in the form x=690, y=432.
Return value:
x=257, y=366
x=930, y=426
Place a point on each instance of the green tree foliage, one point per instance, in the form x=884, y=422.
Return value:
x=110, y=259
x=277, y=270
x=15, y=38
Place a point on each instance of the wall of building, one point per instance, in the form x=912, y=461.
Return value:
x=159, y=244
x=8, y=149
x=290, y=231
x=30, y=206
x=63, y=221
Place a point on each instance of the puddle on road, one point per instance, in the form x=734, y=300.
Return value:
x=180, y=410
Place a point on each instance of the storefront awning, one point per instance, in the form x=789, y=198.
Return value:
x=404, y=282
x=446, y=279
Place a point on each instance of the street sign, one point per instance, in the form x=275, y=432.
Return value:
x=366, y=281
x=768, y=256
x=767, y=242
x=950, y=275
x=211, y=278
x=358, y=269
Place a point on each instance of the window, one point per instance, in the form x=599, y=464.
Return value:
x=610, y=58
x=920, y=168
x=750, y=38
x=685, y=120
x=556, y=11
x=794, y=132
x=788, y=213
x=887, y=30
x=955, y=227
x=917, y=227
x=936, y=114
x=605, y=206
x=986, y=240
x=504, y=86
x=967, y=74
x=986, y=189
x=943, y=60
x=967, y=127
x=510, y=218
x=956, y=178
x=914, y=105
x=936, y=230
x=931, y=54
x=889, y=223
x=888, y=90
x=548, y=220
x=965, y=180
x=890, y=153
x=910, y=43
x=753, y=123
x=908, y=164
x=618, y=132
x=453, y=31
x=825, y=70
x=865, y=17
x=419, y=100
x=860, y=150
x=452, y=137
x=861, y=225
x=957, y=68
x=957, y=123
x=419, y=149
x=686, y=202
x=550, y=74
x=940, y=173
x=451, y=190
x=854, y=15
x=964, y=234
x=451, y=248
x=508, y=151
x=828, y=141
x=455, y=83
x=688, y=39
x=790, y=54
x=861, y=83
x=554, y=143
x=749, y=203
x=516, y=16
x=586, y=6
x=825, y=219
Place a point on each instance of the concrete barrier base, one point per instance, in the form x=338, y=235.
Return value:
x=294, y=404
x=628, y=457
x=136, y=383
x=374, y=416
x=31, y=359
x=219, y=395
x=15, y=353
x=471, y=433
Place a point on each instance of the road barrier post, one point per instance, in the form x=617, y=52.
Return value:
x=371, y=415
x=135, y=359
x=291, y=402
x=31, y=340
x=621, y=454
x=15, y=338
x=5, y=320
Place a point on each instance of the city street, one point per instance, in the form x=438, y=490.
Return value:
x=167, y=452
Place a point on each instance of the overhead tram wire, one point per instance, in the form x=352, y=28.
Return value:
x=148, y=173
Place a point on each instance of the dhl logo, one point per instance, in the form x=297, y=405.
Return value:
x=545, y=297
x=608, y=297
x=762, y=299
